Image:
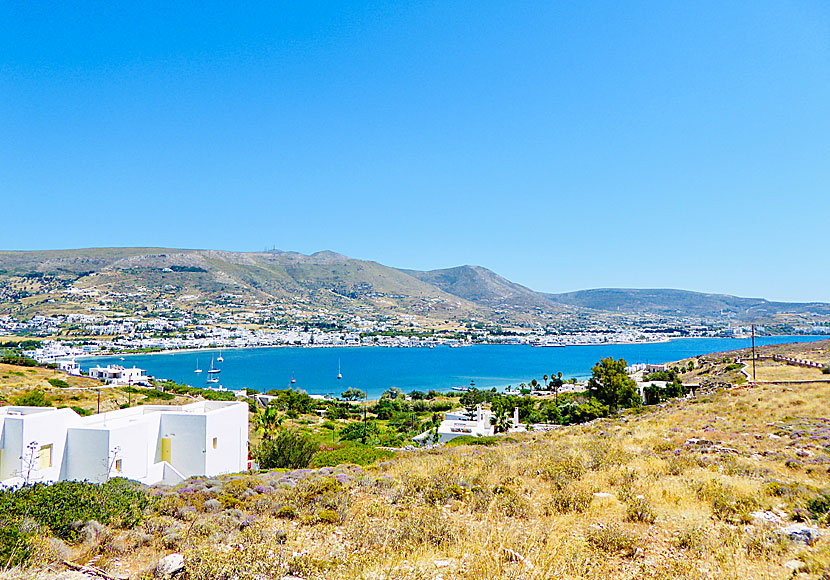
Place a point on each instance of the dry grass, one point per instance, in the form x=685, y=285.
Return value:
x=771, y=371
x=630, y=497
x=82, y=391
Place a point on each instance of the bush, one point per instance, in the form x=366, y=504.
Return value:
x=611, y=540
x=14, y=544
x=58, y=383
x=288, y=449
x=639, y=510
x=18, y=360
x=286, y=512
x=56, y=507
x=351, y=453
x=34, y=398
x=568, y=500
x=727, y=503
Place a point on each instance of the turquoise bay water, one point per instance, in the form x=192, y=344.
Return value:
x=376, y=369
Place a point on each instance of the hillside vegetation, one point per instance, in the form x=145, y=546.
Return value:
x=707, y=487
x=115, y=282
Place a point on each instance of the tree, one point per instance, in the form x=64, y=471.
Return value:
x=289, y=449
x=269, y=420
x=500, y=421
x=353, y=394
x=612, y=386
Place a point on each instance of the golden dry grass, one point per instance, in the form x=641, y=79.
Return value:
x=82, y=391
x=669, y=506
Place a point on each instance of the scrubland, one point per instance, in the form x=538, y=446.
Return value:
x=695, y=488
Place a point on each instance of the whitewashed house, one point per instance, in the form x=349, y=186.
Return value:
x=148, y=443
x=70, y=367
x=458, y=423
x=118, y=375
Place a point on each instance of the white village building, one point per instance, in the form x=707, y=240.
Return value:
x=458, y=423
x=148, y=443
x=118, y=375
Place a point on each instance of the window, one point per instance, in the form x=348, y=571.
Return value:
x=214, y=442
x=45, y=456
x=118, y=465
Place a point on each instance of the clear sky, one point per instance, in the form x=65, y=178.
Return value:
x=565, y=144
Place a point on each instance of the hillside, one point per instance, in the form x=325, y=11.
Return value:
x=683, y=303
x=731, y=484
x=290, y=286
x=132, y=279
x=484, y=286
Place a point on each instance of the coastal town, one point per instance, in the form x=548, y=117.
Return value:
x=68, y=336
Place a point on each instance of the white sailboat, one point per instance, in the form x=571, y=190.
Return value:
x=213, y=379
x=198, y=370
x=293, y=380
x=220, y=358
x=339, y=374
x=212, y=370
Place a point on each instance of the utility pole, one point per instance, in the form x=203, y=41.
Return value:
x=753, y=353
x=365, y=404
x=99, y=401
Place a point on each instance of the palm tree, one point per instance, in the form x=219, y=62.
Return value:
x=500, y=421
x=269, y=420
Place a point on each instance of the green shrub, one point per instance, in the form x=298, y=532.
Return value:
x=640, y=510
x=118, y=502
x=18, y=360
x=351, y=453
x=612, y=540
x=561, y=472
x=34, y=398
x=288, y=449
x=14, y=544
x=58, y=383
x=568, y=500
x=286, y=512
x=328, y=517
x=727, y=503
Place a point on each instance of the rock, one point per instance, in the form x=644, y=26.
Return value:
x=764, y=518
x=213, y=505
x=801, y=533
x=291, y=578
x=73, y=575
x=603, y=495
x=170, y=565
x=441, y=563
x=795, y=565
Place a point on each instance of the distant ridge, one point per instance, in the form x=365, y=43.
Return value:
x=683, y=302
x=30, y=281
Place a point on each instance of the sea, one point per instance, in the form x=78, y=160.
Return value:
x=376, y=369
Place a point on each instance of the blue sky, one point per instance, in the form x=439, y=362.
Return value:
x=565, y=145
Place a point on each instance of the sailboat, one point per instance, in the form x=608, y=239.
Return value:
x=213, y=379
x=220, y=358
x=212, y=370
x=339, y=374
x=293, y=380
x=198, y=370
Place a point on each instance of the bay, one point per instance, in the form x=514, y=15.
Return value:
x=375, y=369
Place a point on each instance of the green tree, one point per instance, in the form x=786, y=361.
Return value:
x=611, y=386
x=288, y=449
x=353, y=394
x=269, y=420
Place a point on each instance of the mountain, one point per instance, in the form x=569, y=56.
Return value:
x=483, y=286
x=682, y=303
x=126, y=281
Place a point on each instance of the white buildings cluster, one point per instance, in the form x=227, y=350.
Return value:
x=150, y=444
